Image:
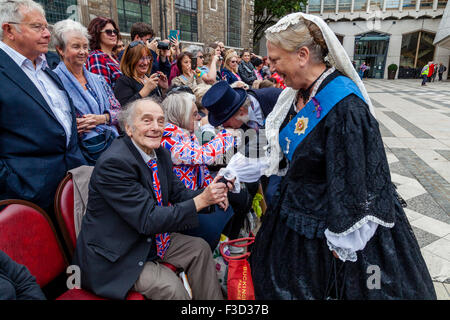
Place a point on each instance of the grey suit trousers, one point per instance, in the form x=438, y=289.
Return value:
x=193, y=254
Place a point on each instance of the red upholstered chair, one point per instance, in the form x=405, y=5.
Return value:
x=64, y=204
x=27, y=235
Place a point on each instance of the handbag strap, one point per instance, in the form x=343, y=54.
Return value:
x=237, y=243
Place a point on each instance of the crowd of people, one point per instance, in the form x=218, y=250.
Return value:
x=431, y=70
x=157, y=119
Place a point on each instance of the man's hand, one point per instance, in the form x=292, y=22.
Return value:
x=153, y=45
x=214, y=193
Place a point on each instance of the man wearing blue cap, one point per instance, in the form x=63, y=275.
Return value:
x=237, y=108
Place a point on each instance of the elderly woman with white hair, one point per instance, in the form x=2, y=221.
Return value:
x=191, y=159
x=336, y=228
x=95, y=104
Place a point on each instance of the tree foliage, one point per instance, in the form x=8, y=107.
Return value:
x=267, y=13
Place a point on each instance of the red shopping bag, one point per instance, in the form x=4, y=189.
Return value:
x=239, y=281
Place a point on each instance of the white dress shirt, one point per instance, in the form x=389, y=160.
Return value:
x=56, y=99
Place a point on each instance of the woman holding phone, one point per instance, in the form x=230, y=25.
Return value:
x=187, y=76
x=134, y=83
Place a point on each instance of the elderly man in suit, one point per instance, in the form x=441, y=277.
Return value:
x=137, y=206
x=38, y=133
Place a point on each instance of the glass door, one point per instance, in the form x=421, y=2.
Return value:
x=372, y=48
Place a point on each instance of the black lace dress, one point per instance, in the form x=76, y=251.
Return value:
x=338, y=177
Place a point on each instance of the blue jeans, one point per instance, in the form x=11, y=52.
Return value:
x=424, y=79
x=211, y=226
x=361, y=73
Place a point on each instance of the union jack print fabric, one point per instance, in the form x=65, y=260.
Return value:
x=162, y=239
x=190, y=159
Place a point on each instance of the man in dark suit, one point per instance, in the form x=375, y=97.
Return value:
x=136, y=207
x=240, y=109
x=38, y=133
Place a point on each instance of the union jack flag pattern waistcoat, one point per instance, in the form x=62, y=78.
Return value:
x=162, y=239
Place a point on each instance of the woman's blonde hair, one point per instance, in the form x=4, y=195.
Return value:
x=207, y=55
x=230, y=55
x=131, y=58
x=199, y=92
x=177, y=108
x=302, y=34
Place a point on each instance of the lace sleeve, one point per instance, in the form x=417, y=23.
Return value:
x=346, y=246
x=358, y=179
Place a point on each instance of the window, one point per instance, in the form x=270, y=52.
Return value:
x=57, y=10
x=417, y=49
x=213, y=5
x=345, y=5
x=314, y=6
x=186, y=19
x=426, y=3
x=132, y=11
x=360, y=5
x=442, y=3
x=409, y=4
x=392, y=4
x=234, y=23
x=329, y=5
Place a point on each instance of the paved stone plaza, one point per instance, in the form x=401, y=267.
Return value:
x=415, y=125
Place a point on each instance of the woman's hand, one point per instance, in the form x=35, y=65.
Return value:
x=150, y=84
x=88, y=122
x=163, y=82
x=175, y=46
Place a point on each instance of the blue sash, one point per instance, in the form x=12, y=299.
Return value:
x=314, y=111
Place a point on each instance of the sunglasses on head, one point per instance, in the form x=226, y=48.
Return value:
x=135, y=43
x=180, y=89
x=110, y=32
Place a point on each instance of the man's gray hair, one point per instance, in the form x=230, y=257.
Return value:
x=10, y=11
x=127, y=113
x=178, y=107
x=65, y=29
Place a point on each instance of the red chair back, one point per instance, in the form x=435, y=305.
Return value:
x=64, y=204
x=27, y=235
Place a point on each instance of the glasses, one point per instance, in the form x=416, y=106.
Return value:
x=135, y=43
x=201, y=57
x=234, y=61
x=35, y=26
x=180, y=89
x=110, y=32
x=145, y=59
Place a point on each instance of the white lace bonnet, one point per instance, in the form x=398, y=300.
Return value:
x=337, y=57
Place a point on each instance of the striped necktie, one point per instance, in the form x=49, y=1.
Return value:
x=162, y=239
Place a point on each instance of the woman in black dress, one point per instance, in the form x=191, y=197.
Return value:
x=335, y=229
x=134, y=83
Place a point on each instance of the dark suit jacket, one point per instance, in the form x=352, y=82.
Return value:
x=118, y=231
x=267, y=97
x=34, y=157
x=16, y=281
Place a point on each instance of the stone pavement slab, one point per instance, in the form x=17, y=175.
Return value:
x=415, y=126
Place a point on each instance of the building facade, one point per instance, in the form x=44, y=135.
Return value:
x=384, y=32
x=199, y=21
